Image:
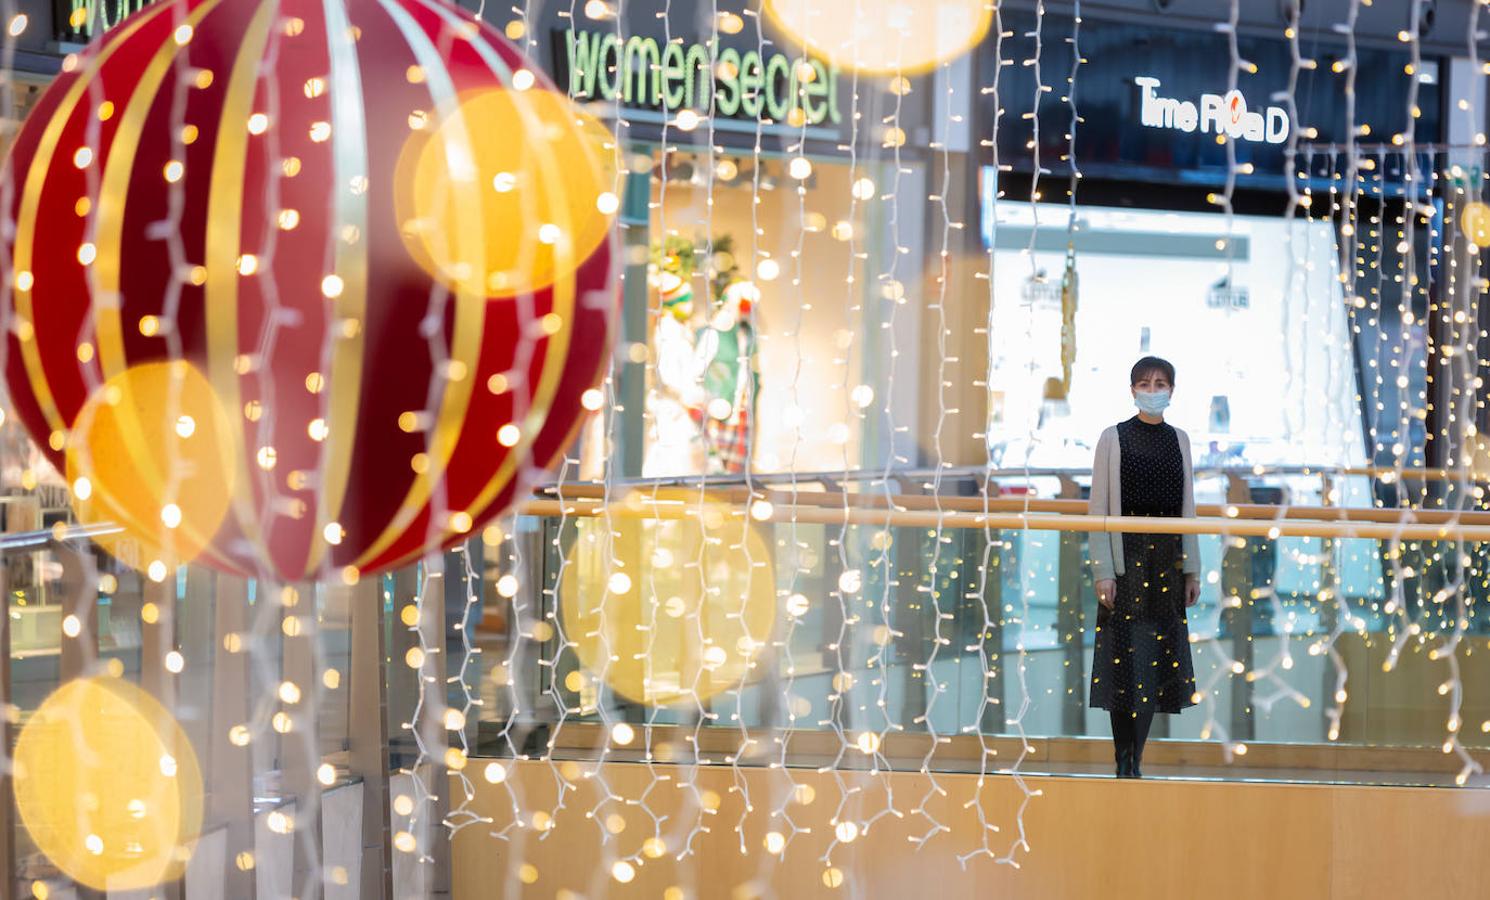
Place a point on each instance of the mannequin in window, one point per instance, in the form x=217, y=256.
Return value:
x=731, y=381
x=675, y=444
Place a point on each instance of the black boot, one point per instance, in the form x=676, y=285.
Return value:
x=1123, y=743
x=1134, y=761
x=1140, y=738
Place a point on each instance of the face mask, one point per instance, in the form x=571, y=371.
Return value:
x=1152, y=403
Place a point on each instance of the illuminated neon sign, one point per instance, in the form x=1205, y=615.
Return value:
x=80, y=21
x=641, y=72
x=1217, y=114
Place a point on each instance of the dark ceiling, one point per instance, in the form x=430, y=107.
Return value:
x=1443, y=24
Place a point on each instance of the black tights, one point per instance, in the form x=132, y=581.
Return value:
x=1132, y=730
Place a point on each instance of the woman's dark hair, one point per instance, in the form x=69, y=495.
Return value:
x=1152, y=364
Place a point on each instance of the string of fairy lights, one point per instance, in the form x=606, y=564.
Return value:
x=1282, y=662
x=782, y=828
x=282, y=718
x=1401, y=630
x=943, y=226
x=879, y=562
x=735, y=540
x=1403, y=626
x=547, y=625
x=425, y=618
x=1022, y=635
x=1297, y=414
x=277, y=612
x=992, y=547
x=540, y=678
x=1472, y=383
x=844, y=644
x=1227, y=667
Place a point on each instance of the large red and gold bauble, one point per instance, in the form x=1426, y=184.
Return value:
x=304, y=287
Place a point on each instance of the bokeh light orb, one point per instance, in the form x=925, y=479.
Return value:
x=885, y=37
x=279, y=198
x=693, y=608
x=107, y=785
x=505, y=193
x=1475, y=220
x=122, y=441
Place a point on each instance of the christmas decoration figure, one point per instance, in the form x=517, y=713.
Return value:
x=675, y=444
x=731, y=379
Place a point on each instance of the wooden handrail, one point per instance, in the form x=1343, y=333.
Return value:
x=924, y=502
x=856, y=476
x=639, y=507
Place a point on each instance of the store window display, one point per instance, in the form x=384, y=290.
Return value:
x=702, y=401
x=778, y=343
x=675, y=399
x=731, y=379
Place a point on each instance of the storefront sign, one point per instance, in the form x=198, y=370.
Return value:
x=1217, y=114
x=643, y=73
x=80, y=21
x=1157, y=120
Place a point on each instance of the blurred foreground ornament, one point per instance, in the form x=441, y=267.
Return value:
x=1479, y=458
x=886, y=37
x=671, y=600
x=1476, y=221
x=107, y=785
x=303, y=288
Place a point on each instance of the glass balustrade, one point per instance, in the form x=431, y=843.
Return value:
x=862, y=622
x=698, y=608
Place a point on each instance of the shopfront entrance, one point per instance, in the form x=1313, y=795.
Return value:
x=757, y=248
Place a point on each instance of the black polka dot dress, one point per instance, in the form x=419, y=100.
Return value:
x=1141, y=661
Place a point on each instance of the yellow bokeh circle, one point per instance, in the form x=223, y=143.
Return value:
x=504, y=193
x=1476, y=222
x=695, y=610
x=884, y=37
x=150, y=451
x=108, y=786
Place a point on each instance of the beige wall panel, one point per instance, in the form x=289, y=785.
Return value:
x=1090, y=837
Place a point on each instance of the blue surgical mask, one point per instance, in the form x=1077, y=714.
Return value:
x=1153, y=403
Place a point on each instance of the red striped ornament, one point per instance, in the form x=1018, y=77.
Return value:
x=149, y=192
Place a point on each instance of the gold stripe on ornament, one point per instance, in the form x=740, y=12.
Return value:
x=350, y=165
x=563, y=300
x=114, y=191
x=31, y=196
x=107, y=296
x=224, y=242
x=470, y=309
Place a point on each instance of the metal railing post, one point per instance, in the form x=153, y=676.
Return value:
x=367, y=736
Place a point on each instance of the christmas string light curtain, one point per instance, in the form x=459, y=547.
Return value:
x=777, y=620
x=616, y=581
x=199, y=376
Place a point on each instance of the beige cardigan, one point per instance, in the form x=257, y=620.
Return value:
x=1106, y=548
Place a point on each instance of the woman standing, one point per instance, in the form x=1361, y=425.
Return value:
x=1145, y=582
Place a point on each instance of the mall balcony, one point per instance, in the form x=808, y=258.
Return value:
x=884, y=673
x=652, y=448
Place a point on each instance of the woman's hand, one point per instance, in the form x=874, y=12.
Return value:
x=1192, y=590
x=1107, y=592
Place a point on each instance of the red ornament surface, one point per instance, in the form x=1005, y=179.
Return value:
x=392, y=341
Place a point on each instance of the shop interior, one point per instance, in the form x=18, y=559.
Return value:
x=752, y=346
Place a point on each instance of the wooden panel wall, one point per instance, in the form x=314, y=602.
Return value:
x=1089, y=837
